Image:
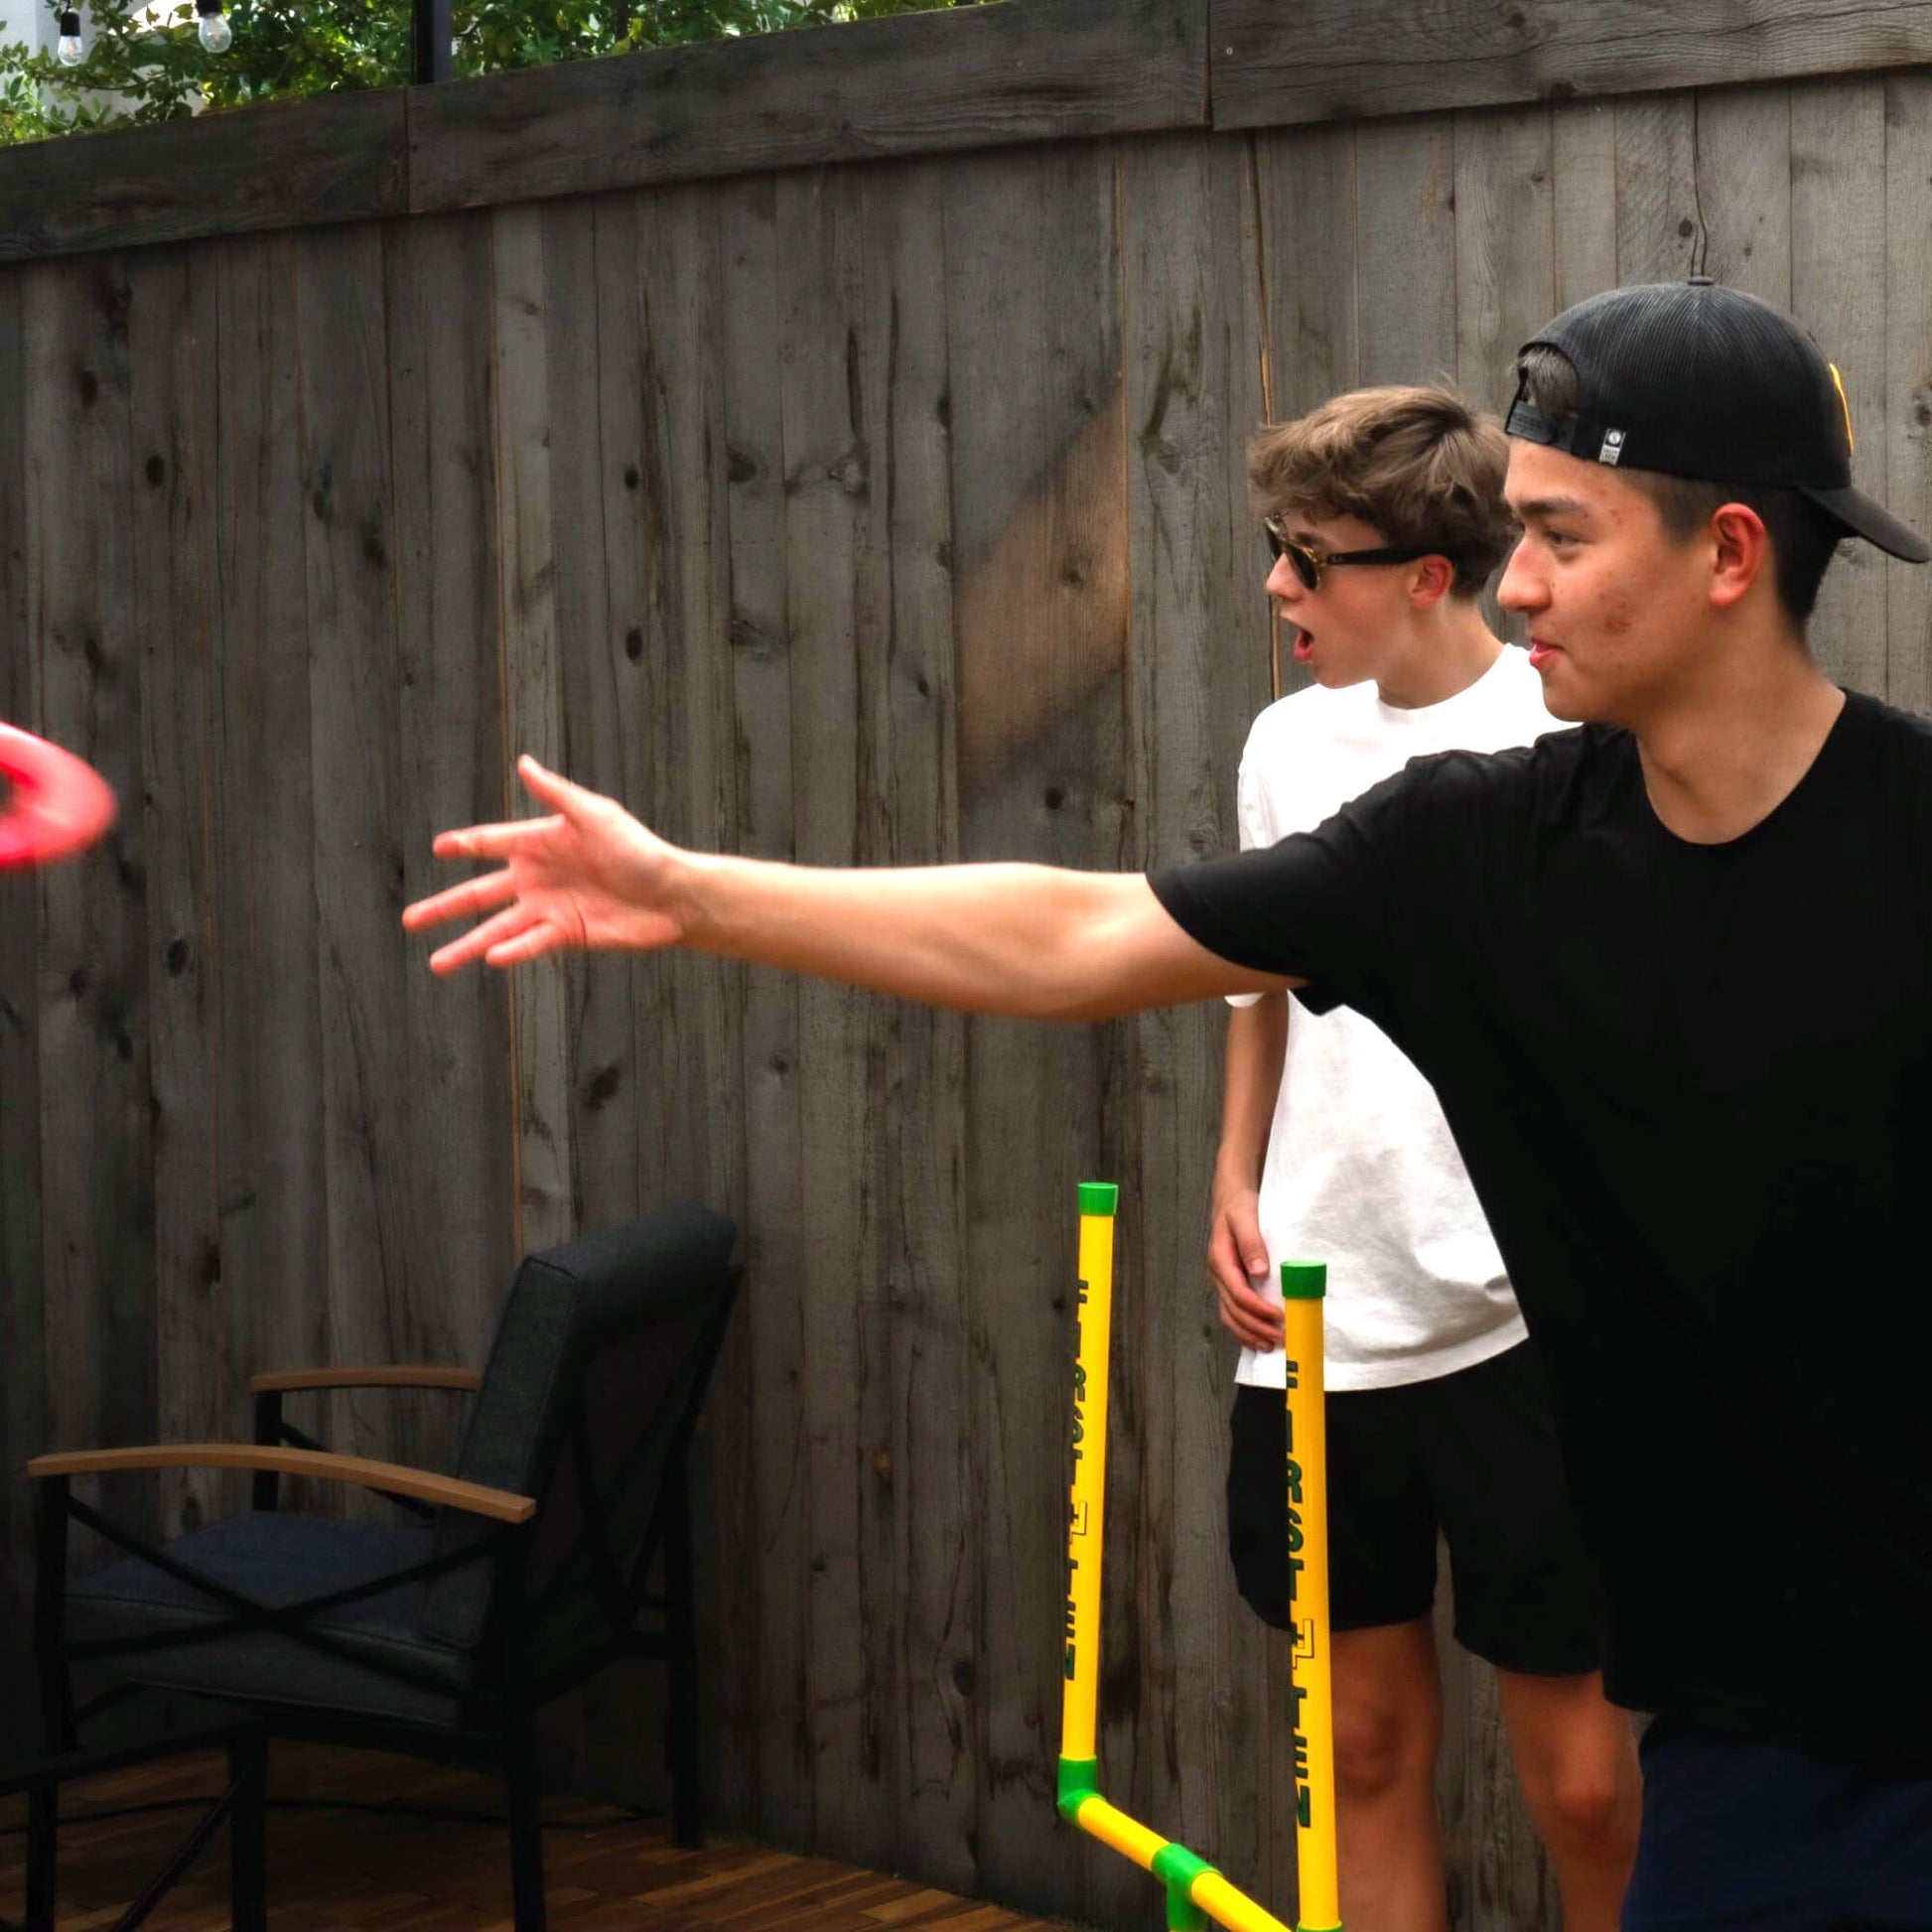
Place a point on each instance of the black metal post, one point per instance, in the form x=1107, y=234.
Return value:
x=430, y=58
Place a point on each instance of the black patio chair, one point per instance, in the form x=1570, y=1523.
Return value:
x=524, y=1573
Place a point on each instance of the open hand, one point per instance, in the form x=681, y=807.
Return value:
x=589, y=875
x=1237, y=1261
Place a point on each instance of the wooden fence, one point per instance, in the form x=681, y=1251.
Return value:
x=882, y=511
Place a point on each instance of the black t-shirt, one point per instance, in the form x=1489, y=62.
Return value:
x=1693, y=1086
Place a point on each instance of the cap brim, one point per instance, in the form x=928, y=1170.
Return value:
x=1864, y=518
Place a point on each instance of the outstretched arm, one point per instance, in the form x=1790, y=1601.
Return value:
x=1026, y=940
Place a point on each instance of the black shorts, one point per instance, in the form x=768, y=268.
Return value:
x=1473, y=1456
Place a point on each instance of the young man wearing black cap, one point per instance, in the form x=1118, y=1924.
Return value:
x=1669, y=975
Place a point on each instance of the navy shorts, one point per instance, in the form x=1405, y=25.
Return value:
x=1740, y=1836
x=1471, y=1456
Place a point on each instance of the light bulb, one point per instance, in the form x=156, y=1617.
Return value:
x=217, y=35
x=69, y=50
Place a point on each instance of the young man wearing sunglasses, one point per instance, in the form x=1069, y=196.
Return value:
x=1669, y=977
x=1386, y=521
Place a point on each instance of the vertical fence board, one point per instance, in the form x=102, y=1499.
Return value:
x=350, y=545
x=1039, y=525
x=1909, y=382
x=1659, y=227
x=761, y=669
x=523, y=345
x=1308, y=247
x=451, y=719
x=917, y=1144
x=1199, y=671
x=1744, y=188
x=1838, y=256
x=172, y=354
x=1405, y=215
x=1505, y=249
x=830, y=355
x=84, y=636
x=274, y=1232
x=1583, y=141
x=23, y=1321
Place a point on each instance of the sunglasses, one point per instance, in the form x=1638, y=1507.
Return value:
x=1309, y=564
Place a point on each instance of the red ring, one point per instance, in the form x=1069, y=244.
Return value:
x=60, y=806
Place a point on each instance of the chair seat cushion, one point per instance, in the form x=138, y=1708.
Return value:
x=277, y=1558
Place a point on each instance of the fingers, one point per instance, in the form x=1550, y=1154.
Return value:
x=551, y=788
x=473, y=895
x=1254, y=1322
x=1247, y=1313
x=495, y=841
x=480, y=941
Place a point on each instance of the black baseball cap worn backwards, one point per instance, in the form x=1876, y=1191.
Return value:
x=1708, y=384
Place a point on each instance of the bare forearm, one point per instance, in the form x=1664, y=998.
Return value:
x=1026, y=940
x=1257, y=1049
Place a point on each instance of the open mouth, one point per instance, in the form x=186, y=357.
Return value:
x=1304, y=646
x=1542, y=653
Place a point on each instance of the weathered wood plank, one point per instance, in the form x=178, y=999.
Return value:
x=1309, y=242
x=1039, y=522
x=769, y=1020
x=1909, y=382
x=86, y=631
x=1505, y=256
x=1660, y=231
x=1742, y=159
x=1199, y=672
x=1348, y=60
x=1052, y=69
x=23, y=1319
x=275, y=165
x=526, y=604
x=274, y=1234
x=1583, y=143
x=349, y=547
x=172, y=338
x=1405, y=271
x=831, y=363
x=451, y=718
x=916, y=1061
x=1838, y=268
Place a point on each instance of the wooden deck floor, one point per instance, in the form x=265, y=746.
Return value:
x=358, y=1870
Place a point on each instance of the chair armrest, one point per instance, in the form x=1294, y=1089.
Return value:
x=392, y=1478
x=284, y=1380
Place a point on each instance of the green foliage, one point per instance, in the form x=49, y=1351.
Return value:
x=145, y=63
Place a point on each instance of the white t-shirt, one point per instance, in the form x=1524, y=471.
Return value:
x=1361, y=1172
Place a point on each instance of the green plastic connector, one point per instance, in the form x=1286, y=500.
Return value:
x=1304, y=1280
x=1099, y=1197
x=1078, y=1780
x=1183, y=1915
x=1178, y=1868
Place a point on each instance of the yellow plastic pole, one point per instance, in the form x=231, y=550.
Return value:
x=1087, y=1505
x=1304, y=1284
x=1195, y=1892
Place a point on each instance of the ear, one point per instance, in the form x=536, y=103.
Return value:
x=1740, y=554
x=1435, y=578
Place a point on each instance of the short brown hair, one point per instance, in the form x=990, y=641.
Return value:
x=1413, y=461
x=1804, y=539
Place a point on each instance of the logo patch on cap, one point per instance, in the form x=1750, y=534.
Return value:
x=1612, y=450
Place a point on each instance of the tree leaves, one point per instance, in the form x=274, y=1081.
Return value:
x=145, y=61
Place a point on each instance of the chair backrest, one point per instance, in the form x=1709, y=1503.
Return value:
x=591, y=1389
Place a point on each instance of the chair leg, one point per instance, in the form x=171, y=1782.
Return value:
x=682, y=1740
x=43, y=1835
x=524, y=1796
x=248, y=1833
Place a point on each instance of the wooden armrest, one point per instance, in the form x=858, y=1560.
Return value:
x=365, y=1378
x=393, y=1479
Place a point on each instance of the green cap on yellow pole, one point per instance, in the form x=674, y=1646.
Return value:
x=1304, y=1280
x=1099, y=1196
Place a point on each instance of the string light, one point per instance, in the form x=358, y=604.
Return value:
x=217, y=35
